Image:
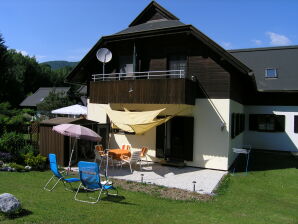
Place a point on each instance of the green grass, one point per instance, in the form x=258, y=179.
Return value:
x=263, y=196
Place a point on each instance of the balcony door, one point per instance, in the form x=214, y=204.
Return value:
x=126, y=65
x=177, y=62
x=174, y=139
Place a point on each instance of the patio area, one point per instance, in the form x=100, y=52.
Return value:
x=173, y=177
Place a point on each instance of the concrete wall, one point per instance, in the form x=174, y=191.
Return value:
x=136, y=141
x=96, y=112
x=283, y=141
x=238, y=141
x=211, y=141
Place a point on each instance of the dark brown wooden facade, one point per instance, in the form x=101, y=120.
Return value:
x=151, y=91
x=205, y=70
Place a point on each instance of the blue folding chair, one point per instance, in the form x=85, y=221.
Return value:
x=90, y=181
x=58, y=175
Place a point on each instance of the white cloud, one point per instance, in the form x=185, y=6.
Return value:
x=278, y=39
x=24, y=53
x=226, y=44
x=257, y=42
x=39, y=57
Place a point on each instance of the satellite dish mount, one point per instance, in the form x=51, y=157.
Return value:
x=104, y=55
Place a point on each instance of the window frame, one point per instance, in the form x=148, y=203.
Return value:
x=269, y=77
x=255, y=120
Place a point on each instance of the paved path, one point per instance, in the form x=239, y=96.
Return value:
x=206, y=180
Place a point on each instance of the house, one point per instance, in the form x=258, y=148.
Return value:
x=40, y=94
x=272, y=110
x=160, y=63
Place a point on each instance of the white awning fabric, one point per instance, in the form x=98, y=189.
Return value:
x=71, y=110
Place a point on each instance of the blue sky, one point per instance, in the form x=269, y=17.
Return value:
x=67, y=29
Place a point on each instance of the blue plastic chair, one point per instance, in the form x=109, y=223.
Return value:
x=58, y=175
x=90, y=181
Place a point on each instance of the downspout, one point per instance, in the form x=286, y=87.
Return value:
x=134, y=57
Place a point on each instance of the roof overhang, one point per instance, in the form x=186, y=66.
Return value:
x=189, y=29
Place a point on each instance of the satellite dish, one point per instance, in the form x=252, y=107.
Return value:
x=104, y=55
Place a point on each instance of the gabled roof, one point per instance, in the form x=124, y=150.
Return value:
x=284, y=59
x=153, y=11
x=161, y=24
x=40, y=94
x=141, y=30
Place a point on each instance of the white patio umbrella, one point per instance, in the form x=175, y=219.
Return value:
x=77, y=132
x=71, y=110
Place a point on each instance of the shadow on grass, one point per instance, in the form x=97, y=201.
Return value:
x=19, y=214
x=261, y=160
x=111, y=198
x=116, y=199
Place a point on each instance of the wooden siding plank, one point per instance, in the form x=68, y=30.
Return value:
x=152, y=91
x=51, y=142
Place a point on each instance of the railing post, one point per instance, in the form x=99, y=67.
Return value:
x=119, y=76
x=103, y=77
x=148, y=75
x=180, y=73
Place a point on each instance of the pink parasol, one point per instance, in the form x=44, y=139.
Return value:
x=78, y=132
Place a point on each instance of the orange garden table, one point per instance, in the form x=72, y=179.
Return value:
x=117, y=153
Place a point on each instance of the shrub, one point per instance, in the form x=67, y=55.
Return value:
x=17, y=166
x=5, y=157
x=36, y=162
x=12, y=142
x=29, y=148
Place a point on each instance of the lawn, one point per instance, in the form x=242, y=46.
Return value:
x=265, y=195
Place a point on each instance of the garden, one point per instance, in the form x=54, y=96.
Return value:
x=267, y=194
x=17, y=151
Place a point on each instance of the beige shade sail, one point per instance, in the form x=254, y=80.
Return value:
x=138, y=122
x=142, y=128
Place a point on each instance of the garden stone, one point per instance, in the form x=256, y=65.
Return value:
x=28, y=167
x=9, y=203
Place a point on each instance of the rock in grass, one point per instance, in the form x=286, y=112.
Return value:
x=9, y=203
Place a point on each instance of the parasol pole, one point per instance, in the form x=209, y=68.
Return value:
x=69, y=163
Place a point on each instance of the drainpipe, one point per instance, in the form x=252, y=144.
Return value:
x=134, y=57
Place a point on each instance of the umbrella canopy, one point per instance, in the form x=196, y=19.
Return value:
x=77, y=131
x=73, y=110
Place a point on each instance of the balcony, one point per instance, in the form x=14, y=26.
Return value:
x=139, y=75
x=154, y=87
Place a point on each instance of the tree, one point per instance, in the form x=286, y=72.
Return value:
x=54, y=101
x=22, y=75
x=15, y=120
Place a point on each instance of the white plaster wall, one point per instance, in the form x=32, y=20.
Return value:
x=211, y=142
x=136, y=141
x=286, y=141
x=96, y=112
x=238, y=141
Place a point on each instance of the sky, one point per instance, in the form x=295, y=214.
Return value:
x=67, y=29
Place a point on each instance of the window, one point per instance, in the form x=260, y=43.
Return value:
x=126, y=65
x=270, y=73
x=267, y=122
x=237, y=124
x=177, y=62
x=296, y=124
